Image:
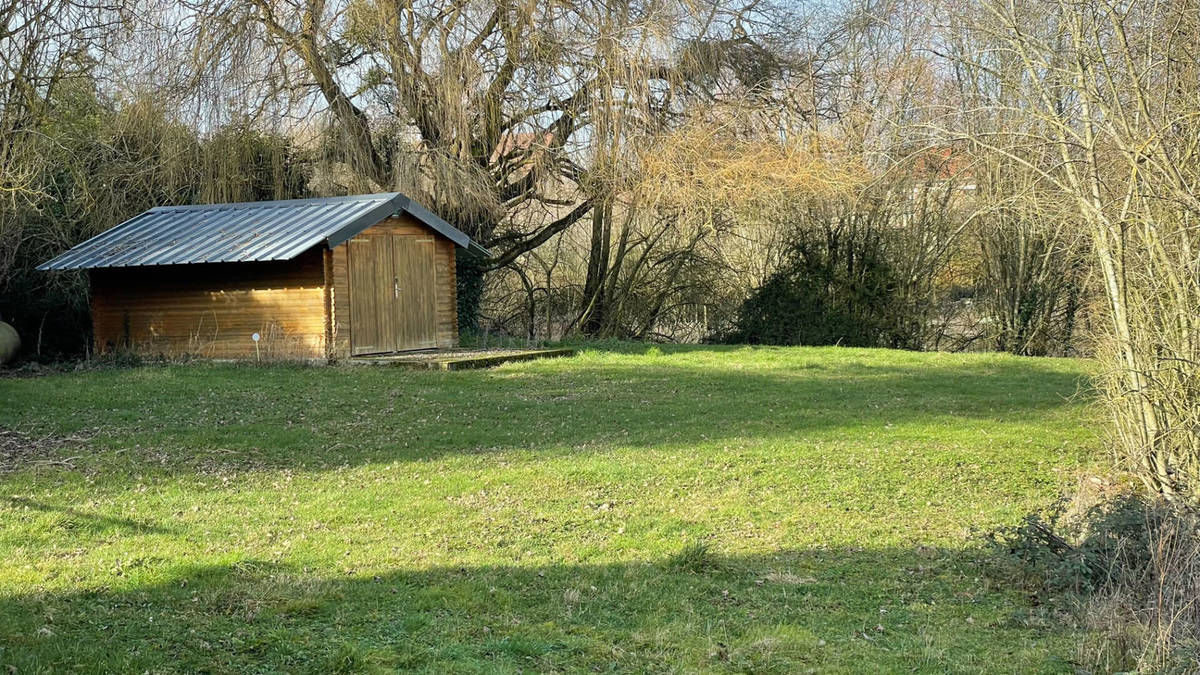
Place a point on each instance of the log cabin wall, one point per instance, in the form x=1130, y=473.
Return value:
x=211, y=310
x=339, y=284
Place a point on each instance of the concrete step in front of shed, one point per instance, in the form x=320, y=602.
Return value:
x=459, y=359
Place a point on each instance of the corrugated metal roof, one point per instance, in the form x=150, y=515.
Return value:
x=245, y=232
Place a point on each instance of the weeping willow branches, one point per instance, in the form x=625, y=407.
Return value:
x=702, y=168
x=481, y=108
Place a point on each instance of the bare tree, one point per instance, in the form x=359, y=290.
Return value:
x=1033, y=273
x=500, y=113
x=1108, y=100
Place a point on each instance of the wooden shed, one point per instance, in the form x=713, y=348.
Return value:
x=304, y=278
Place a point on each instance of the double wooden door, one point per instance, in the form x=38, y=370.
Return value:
x=393, y=293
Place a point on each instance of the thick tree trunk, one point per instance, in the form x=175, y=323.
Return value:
x=595, y=298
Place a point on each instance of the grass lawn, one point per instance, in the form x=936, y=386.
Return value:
x=542, y=516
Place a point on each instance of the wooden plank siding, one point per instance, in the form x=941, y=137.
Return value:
x=447, y=294
x=300, y=308
x=211, y=310
x=340, y=286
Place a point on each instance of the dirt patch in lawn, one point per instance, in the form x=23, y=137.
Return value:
x=20, y=450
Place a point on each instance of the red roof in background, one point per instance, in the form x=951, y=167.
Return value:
x=941, y=163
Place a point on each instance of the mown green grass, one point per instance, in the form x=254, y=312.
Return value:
x=682, y=509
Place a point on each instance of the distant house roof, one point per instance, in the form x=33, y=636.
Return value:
x=244, y=232
x=521, y=142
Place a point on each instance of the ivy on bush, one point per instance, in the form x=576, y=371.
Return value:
x=835, y=289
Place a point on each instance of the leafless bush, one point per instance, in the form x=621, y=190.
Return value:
x=1149, y=619
x=1098, y=103
x=1131, y=565
x=1033, y=274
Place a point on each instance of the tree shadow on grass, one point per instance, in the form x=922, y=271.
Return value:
x=923, y=610
x=189, y=417
x=94, y=523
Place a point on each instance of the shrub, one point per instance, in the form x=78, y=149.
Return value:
x=831, y=290
x=1132, y=564
x=867, y=271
